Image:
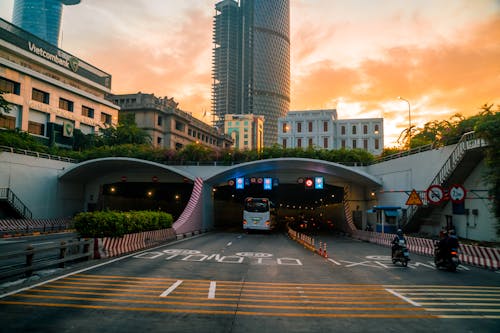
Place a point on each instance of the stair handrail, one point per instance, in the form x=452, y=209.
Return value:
x=16, y=203
x=469, y=140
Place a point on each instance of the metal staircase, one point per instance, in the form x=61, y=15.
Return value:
x=464, y=158
x=6, y=195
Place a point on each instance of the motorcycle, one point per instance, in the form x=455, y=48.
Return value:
x=401, y=254
x=446, y=258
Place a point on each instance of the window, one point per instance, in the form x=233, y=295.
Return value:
x=159, y=121
x=365, y=144
x=105, y=118
x=376, y=144
x=365, y=129
x=354, y=144
x=245, y=136
x=285, y=128
x=299, y=143
x=8, y=122
x=158, y=141
x=180, y=126
x=343, y=144
x=310, y=124
x=284, y=143
x=189, y=131
x=65, y=104
x=310, y=143
x=376, y=129
x=9, y=86
x=40, y=96
x=353, y=129
x=325, y=126
x=87, y=112
x=342, y=130
x=36, y=128
x=299, y=127
x=178, y=146
x=325, y=142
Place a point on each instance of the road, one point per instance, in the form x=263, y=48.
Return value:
x=234, y=282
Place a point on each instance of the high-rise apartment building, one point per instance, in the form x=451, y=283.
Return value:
x=251, y=61
x=41, y=17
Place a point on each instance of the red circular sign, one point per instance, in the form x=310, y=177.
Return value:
x=309, y=182
x=435, y=194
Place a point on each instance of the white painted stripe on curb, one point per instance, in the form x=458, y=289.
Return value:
x=402, y=297
x=172, y=288
x=211, y=291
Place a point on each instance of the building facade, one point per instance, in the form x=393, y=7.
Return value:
x=246, y=130
x=41, y=18
x=321, y=129
x=251, y=61
x=168, y=126
x=50, y=91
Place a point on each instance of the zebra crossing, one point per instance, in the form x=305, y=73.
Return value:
x=458, y=302
x=244, y=298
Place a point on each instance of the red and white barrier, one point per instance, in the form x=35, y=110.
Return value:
x=114, y=246
x=486, y=257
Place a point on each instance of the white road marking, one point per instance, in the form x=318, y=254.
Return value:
x=172, y=288
x=406, y=299
x=211, y=290
x=335, y=262
x=36, y=244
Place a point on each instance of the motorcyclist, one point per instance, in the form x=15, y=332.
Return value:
x=398, y=241
x=442, y=245
x=452, y=241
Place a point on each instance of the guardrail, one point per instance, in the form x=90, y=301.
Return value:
x=67, y=252
x=15, y=202
x=36, y=154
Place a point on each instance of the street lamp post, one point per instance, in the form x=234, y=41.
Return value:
x=409, y=121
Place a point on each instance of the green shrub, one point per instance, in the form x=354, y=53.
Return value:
x=116, y=224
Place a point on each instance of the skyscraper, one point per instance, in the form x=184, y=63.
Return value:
x=41, y=17
x=251, y=61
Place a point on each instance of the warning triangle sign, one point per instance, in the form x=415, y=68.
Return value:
x=414, y=199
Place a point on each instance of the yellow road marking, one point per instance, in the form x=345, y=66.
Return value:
x=207, y=304
x=220, y=312
x=296, y=299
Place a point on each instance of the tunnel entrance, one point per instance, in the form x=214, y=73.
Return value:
x=171, y=198
x=293, y=203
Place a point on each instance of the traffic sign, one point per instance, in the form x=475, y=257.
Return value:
x=435, y=194
x=414, y=199
x=457, y=193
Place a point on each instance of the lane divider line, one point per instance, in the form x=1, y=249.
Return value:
x=335, y=262
x=211, y=290
x=172, y=288
x=402, y=297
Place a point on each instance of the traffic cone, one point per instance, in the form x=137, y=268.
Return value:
x=325, y=254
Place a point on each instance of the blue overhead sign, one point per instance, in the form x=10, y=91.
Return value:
x=318, y=183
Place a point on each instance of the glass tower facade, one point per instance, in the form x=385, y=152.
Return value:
x=251, y=61
x=41, y=17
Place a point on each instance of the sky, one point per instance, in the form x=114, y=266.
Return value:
x=358, y=56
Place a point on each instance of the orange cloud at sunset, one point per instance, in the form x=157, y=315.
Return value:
x=354, y=55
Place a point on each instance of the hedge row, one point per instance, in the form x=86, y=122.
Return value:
x=117, y=224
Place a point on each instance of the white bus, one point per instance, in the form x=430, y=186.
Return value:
x=258, y=214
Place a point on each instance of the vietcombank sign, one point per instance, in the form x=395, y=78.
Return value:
x=61, y=59
x=11, y=34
